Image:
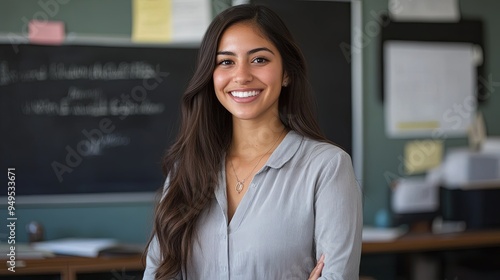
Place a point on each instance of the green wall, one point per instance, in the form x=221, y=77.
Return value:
x=382, y=156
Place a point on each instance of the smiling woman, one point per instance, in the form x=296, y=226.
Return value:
x=254, y=190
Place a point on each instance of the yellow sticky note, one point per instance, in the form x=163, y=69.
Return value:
x=152, y=21
x=422, y=155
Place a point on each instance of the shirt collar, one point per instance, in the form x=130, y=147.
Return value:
x=285, y=150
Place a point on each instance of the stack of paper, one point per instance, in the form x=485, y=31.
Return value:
x=85, y=247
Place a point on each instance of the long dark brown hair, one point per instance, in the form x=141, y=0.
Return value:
x=193, y=162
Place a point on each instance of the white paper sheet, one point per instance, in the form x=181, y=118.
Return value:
x=429, y=89
x=190, y=19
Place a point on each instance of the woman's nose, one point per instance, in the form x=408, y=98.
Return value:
x=243, y=74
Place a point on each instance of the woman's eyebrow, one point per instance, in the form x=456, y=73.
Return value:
x=252, y=51
x=260, y=49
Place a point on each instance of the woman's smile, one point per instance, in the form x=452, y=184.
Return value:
x=244, y=94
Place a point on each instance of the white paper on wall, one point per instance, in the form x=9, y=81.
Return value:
x=429, y=88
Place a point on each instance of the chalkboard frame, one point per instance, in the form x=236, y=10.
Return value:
x=89, y=119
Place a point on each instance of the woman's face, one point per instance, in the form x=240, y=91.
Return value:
x=248, y=74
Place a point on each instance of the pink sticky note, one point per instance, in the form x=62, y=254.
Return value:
x=46, y=32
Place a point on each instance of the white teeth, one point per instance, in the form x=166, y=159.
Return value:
x=243, y=94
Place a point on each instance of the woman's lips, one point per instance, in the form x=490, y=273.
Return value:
x=244, y=96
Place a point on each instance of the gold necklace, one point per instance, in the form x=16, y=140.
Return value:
x=240, y=184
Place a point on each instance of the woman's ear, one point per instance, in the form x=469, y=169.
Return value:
x=285, y=80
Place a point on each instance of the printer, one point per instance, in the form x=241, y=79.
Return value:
x=470, y=187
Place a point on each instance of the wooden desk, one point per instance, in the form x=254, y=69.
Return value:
x=435, y=242
x=433, y=256
x=69, y=267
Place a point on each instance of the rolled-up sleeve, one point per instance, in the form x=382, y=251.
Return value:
x=338, y=219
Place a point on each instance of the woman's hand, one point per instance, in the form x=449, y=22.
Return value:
x=316, y=272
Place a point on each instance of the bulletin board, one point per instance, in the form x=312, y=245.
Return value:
x=431, y=77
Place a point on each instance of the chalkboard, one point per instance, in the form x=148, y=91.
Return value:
x=89, y=119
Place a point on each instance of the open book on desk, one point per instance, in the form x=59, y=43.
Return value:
x=88, y=247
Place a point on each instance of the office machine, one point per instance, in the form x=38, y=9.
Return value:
x=470, y=189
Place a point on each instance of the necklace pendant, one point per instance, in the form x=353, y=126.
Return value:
x=239, y=186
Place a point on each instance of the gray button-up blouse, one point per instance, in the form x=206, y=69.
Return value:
x=304, y=202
